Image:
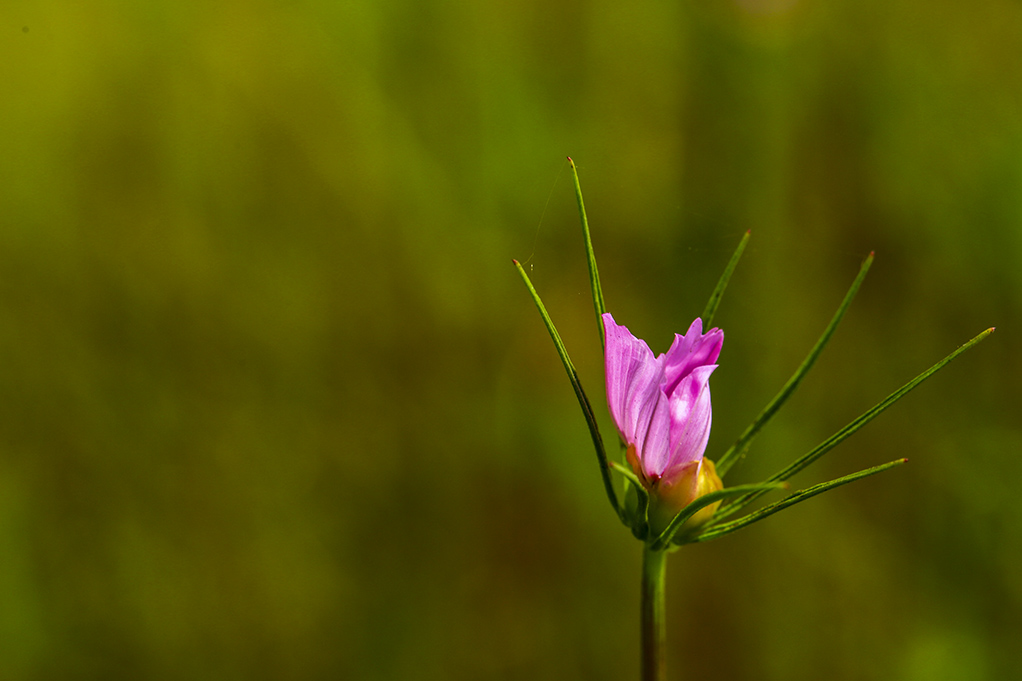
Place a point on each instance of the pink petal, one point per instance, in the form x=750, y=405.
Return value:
x=634, y=395
x=655, y=449
x=690, y=351
x=691, y=416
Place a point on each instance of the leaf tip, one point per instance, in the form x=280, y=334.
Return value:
x=515, y=262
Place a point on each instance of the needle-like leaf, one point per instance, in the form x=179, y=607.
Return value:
x=627, y=473
x=742, y=444
x=838, y=437
x=594, y=274
x=634, y=518
x=583, y=401
x=718, y=292
x=713, y=531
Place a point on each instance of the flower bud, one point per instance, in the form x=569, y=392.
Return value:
x=661, y=407
x=667, y=498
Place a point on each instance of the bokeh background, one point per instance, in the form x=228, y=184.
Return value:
x=275, y=405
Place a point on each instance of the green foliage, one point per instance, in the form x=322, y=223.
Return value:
x=739, y=448
x=594, y=274
x=711, y=305
x=714, y=529
x=583, y=401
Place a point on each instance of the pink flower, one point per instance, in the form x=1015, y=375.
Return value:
x=661, y=407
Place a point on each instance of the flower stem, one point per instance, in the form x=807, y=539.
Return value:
x=654, y=566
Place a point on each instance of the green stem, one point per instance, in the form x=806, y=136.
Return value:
x=654, y=566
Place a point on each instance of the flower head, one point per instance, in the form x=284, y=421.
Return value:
x=661, y=407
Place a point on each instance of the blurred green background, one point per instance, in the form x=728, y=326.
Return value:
x=275, y=404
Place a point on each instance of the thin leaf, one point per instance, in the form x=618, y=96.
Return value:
x=637, y=521
x=594, y=274
x=858, y=423
x=702, y=502
x=739, y=448
x=714, y=531
x=718, y=293
x=583, y=401
x=628, y=474
x=640, y=526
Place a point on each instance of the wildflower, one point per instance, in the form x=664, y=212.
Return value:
x=661, y=407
